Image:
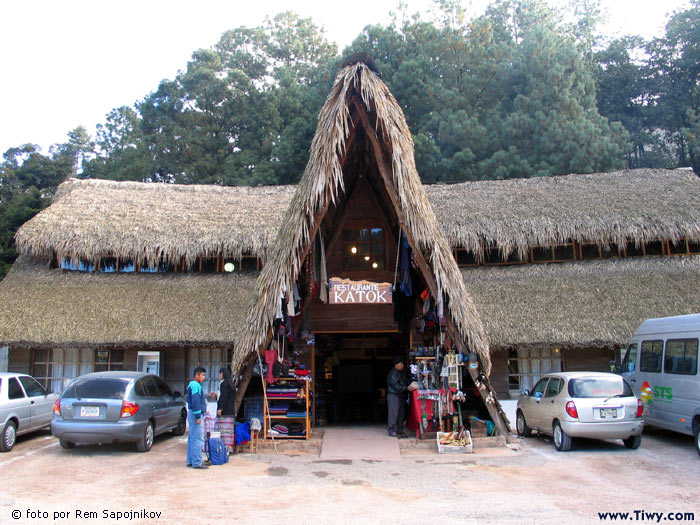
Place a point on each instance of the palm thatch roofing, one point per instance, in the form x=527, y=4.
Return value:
x=90, y=219
x=585, y=304
x=608, y=208
x=323, y=183
x=41, y=306
x=148, y=223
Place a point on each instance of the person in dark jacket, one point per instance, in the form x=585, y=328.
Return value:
x=226, y=408
x=197, y=405
x=396, y=392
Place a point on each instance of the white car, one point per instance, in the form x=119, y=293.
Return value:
x=25, y=406
x=595, y=405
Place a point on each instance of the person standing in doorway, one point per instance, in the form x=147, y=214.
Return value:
x=226, y=408
x=396, y=392
x=197, y=405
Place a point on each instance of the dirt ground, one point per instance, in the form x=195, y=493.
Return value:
x=46, y=484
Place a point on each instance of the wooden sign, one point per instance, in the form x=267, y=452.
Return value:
x=345, y=291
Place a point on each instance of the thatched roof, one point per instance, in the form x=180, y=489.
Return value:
x=582, y=304
x=97, y=218
x=94, y=218
x=43, y=306
x=516, y=214
x=323, y=181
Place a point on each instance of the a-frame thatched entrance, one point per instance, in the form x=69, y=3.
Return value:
x=362, y=139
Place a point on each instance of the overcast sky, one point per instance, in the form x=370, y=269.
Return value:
x=67, y=63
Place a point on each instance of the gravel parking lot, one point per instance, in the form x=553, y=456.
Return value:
x=536, y=484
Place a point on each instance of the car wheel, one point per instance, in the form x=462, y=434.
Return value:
x=146, y=442
x=179, y=430
x=562, y=440
x=9, y=436
x=633, y=441
x=66, y=444
x=521, y=425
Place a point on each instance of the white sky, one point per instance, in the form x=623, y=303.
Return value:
x=69, y=62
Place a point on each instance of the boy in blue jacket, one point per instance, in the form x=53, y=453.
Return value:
x=197, y=405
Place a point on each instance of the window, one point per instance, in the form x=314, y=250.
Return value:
x=31, y=387
x=112, y=359
x=208, y=264
x=538, y=391
x=108, y=265
x=599, y=387
x=612, y=250
x=140, y=388
x=650, y=360
x=681, y=356
x=554, y=387
x=14, y=391
x=162, y=387
x=590, y=251
x=649, y=248
x=494, y=256
x=126, y=266
x=363, y=249
x=630, y=361
x=527, y=365
x=42, y=368
x=465, y=258
x=678, y=248
x=99, y=388
x=558, y=252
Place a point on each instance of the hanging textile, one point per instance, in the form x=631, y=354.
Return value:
x=406, y=285
x=323, y=277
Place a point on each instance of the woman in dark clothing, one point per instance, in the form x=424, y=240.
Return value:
x=225, y=407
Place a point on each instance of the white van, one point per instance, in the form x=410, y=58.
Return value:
x=661, y=363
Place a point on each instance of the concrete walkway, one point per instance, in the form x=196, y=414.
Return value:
x=365, y=442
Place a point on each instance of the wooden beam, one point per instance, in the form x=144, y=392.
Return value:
x=385, y=171
x=245, y=381
x=485, y=390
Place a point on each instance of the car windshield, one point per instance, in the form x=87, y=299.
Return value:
x=97, y=387
x=599, y=387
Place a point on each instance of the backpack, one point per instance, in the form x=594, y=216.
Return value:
x=217, y=451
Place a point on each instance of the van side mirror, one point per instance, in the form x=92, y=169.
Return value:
x=525, y=393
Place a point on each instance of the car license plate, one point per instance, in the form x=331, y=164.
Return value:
x=606, y=413
x=89, y=411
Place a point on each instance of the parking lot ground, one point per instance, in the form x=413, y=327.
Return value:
x=535, y=484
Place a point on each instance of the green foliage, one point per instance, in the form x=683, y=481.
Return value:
x=28, y=179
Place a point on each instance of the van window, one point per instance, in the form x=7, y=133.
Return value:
x=629, y=363
x=681, y=356
x=652, y=353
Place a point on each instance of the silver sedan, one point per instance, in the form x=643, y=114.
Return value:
x=25, y=406
x=595, y=405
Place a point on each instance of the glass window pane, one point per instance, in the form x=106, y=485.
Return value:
x=681, y=356
x=654, y=248
x=590, y=251
x=14, y=390
x=564, y=252
x=650, y=359
x=31, y=387
x=630, y=360
x=108, y=265
x=681, y=247
x=542, y=254
x=465, y=258
x=693, y=247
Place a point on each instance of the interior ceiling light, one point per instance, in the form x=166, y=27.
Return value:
x=229, y=267
x=375, y=265
x=353, y=250
x=366, y=257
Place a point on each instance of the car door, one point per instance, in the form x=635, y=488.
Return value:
x=173, y=406
x=551, y=405
x=533, y=412
x=18, y=404
x=41, y=404
x=649, y=378
x=159, y=404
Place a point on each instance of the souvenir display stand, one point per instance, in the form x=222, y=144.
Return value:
x=281, y=414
